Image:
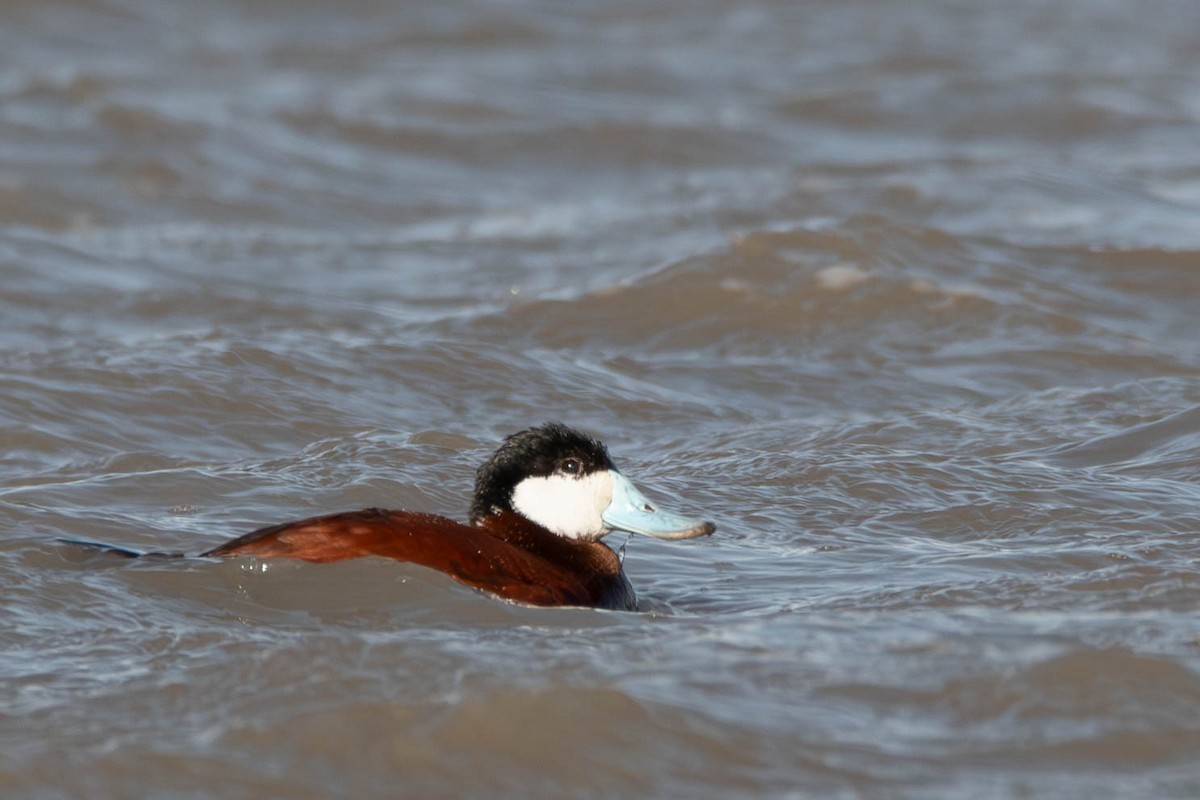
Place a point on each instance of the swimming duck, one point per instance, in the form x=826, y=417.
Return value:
x=542, y=504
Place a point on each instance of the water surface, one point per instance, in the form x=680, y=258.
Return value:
x=903, y=296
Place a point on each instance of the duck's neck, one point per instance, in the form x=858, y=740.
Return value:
x=591, y=561
x=521, y=532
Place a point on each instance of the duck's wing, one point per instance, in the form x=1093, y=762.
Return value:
x=467, y=553
x=335, y=537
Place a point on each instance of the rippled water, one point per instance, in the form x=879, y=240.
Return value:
x=902, y=295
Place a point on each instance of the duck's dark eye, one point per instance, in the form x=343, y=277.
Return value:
x=571, y=466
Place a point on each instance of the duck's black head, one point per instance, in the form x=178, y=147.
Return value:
x=537, y=454
x=565, y=482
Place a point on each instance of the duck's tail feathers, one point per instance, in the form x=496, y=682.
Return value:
x=118, y=550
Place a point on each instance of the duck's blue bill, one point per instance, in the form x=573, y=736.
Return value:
x=631, y=511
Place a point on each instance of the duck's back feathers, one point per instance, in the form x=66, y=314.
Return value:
x=504, y=555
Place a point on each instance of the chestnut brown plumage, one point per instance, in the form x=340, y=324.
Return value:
x=502, y=554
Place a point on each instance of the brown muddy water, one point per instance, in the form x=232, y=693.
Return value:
x=904, y=296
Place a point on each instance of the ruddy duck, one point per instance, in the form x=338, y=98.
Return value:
x=542, y=504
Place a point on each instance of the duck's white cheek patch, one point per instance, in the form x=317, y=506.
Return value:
x=567, y=506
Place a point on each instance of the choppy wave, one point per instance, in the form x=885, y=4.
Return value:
x=902, y=296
